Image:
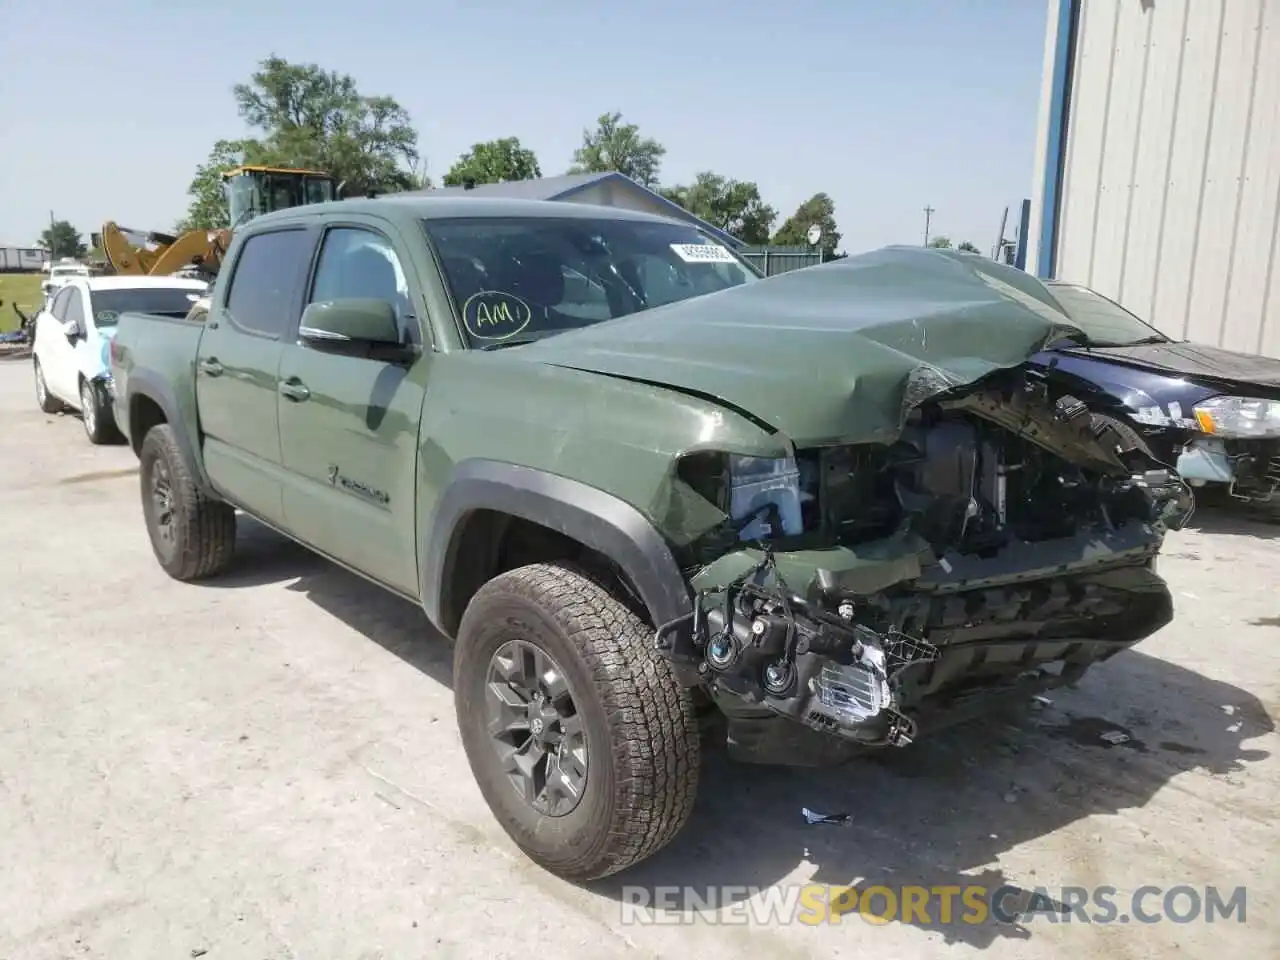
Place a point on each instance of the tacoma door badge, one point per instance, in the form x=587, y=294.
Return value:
x=355, y=487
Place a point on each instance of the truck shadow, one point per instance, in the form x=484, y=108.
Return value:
x=938, y=813
x=1224, y=517
x=943, y=811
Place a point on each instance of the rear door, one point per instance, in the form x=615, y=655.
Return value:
x=236, y=367
x=348, y=425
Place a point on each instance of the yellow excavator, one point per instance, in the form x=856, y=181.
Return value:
x=250, y=191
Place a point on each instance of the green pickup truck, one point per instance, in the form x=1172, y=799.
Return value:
x=649, y=494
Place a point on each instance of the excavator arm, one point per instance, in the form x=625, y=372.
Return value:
x=161, y=254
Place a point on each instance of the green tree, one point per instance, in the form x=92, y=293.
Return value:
x=318, y=118
x=819, y=209
x=306, y=116
x=734, y=206
x=940, y=243
x=493, y=162
x=968, y=247
x=61, y=239
x=617, y=146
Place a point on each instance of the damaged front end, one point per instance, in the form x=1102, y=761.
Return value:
x=1002, y=544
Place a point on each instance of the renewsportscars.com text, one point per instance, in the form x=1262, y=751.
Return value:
x=814, y=904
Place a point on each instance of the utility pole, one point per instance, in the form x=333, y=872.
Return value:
x=928, y=215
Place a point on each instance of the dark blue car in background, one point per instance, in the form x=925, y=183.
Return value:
x=1213, y=414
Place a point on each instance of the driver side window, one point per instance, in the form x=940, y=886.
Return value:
x=75, y=311
x=360, y=264
x=58, y=309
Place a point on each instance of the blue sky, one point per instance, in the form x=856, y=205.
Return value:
x=106, y=109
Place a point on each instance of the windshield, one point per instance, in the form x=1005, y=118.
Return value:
x=1105, y=321
x=166, y=301
x=518, y=279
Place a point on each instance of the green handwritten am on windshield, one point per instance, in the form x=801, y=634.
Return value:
x=495, y=315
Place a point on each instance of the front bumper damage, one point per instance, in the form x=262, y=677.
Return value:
x=813, y=652
x=1249, y=467
x=848, y=656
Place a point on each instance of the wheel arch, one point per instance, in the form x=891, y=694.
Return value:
x=151, y=402
x=457, y=543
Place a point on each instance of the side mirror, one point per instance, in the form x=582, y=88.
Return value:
x=355, y=327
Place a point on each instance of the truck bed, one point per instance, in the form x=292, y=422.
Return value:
x=160, y=351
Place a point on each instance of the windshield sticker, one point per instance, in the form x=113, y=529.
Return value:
x=495, y=315
x=702, y=253
x=108, y=316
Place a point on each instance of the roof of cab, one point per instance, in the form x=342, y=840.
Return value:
x=392, y=206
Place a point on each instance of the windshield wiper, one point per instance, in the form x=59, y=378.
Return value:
x=511, y=342
x=1140, y=342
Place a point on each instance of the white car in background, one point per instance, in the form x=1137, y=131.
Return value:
x=73, y=336
x=62, y=273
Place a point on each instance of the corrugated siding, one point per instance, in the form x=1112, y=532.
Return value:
x=1171, y=190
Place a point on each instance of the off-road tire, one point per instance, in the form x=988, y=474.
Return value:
x=95, y=411
x=204, y=529
x=47, y=401
x=641, y=727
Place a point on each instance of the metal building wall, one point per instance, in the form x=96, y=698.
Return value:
x=1169, y=194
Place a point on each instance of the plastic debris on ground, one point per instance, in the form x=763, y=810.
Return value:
x=812, y=817
x=1115, y=737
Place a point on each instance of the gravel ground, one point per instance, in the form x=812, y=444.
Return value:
x=266, y=766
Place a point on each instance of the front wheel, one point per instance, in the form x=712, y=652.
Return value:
x=192, y=535
x=582, y=742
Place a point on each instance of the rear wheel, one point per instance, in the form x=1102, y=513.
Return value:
x=583, y=744
x=192, y=535
x=47, y=401
x=95, y=413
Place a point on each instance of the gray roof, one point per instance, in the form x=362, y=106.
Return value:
x=563, y=187
x=544, y=188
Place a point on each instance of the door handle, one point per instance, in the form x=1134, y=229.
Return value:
x=294, y=389
x=212, y=367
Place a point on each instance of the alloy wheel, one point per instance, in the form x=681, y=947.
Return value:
x=535, y=728
x=88, y=408
x=161, y=495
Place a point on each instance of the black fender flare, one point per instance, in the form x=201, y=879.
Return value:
x=152, y=386
x=598, y=520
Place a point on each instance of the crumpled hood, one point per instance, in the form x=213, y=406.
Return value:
x=1195, y=360
x=835, y=353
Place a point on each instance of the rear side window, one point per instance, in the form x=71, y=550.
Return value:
x=263, y=295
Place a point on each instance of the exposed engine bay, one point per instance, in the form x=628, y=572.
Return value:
x=1004, y=542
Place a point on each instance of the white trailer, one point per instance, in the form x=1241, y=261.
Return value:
x=22, y=259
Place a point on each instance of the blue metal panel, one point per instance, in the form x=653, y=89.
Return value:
x=1064, y=54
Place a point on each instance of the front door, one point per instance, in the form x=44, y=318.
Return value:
x=348, y=425
x=56, y=350
x=237, y=368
